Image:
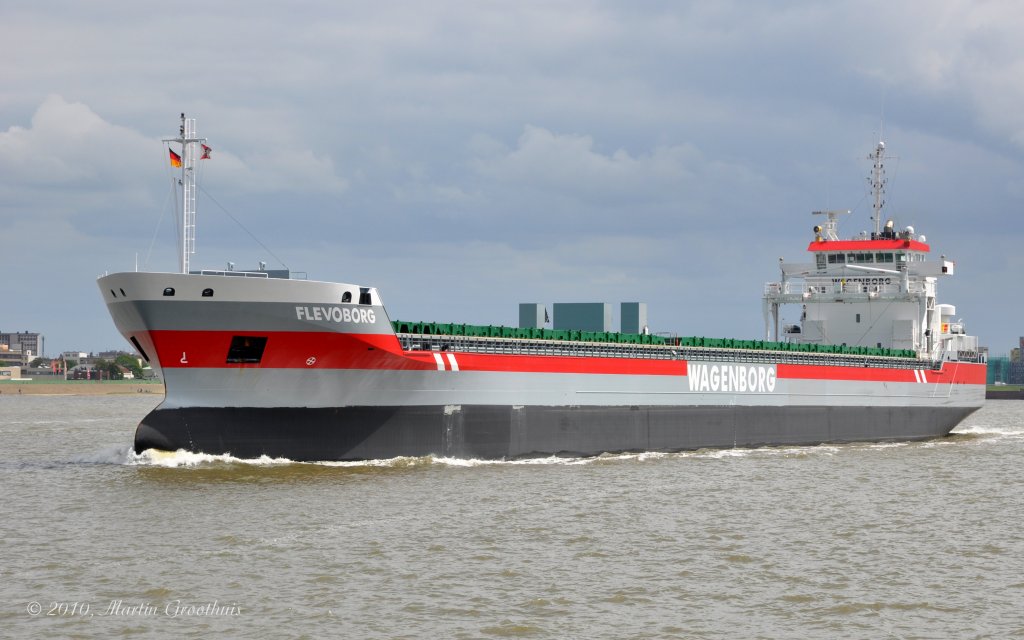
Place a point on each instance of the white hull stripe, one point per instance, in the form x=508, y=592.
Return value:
x=920, y=376
x=451, y=361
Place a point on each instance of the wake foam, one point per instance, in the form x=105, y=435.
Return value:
x=125, y=455
x=183, y=458
x=114, y=454
x=988, y=431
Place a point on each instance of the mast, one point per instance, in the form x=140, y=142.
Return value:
x=188, y=140
x=877, y=181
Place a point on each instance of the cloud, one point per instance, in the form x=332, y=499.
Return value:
x=67, y=144
x=659, y=147
x=659, y=186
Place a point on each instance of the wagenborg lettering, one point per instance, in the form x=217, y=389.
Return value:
x=731, y=378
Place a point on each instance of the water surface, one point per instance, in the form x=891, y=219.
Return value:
x=919, y=540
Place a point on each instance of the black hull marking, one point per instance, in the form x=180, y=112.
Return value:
x=495, y=432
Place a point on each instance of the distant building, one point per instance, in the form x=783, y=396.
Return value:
x=585, y=316
x=998, y=370
x=1007, y=370
x=25, y=344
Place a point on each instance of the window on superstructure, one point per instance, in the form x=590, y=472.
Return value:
x=835, y=258
x=246, y=349
x=820, y=258
x=169, y=291
x=207, y=293
x=364, y=295
x=346, y=297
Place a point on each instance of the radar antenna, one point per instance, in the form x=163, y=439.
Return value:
x=877, y=181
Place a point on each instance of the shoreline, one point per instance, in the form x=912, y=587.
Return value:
x=78, y=388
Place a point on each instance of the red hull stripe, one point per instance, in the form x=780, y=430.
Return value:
x=868, y=245
x=295, y=350
x=958, y=373
x=298, y=350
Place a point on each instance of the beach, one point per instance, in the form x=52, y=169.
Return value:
x=79, y=387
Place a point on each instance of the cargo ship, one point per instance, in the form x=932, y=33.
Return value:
x=258, y=362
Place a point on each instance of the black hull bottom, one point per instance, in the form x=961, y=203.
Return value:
x=494, y=432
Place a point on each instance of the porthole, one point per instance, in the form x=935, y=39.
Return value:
x=207, y=293
x=169, y=291
x=346, y=297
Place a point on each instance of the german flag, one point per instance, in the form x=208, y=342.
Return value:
x=175, y=158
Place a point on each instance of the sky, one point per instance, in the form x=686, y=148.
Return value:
x=467, y=156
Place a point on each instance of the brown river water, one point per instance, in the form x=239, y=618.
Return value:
x=917, y=540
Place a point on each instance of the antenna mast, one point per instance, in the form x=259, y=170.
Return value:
x=877, y=181
x=188, y=140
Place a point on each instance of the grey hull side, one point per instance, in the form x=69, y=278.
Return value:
x=496, y=432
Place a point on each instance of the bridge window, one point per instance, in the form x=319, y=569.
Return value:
x=246, y=349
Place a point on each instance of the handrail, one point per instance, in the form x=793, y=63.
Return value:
x=519, y=346
x=237, y=274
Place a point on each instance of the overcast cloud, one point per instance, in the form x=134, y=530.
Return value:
x=465, y=156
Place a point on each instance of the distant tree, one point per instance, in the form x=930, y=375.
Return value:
x=71, y=364
x=131, y=363
x=106, y=369
x=39, y=362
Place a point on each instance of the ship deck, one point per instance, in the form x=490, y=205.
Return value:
x=544, y=347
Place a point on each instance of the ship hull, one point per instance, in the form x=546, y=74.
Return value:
x=315, y=371
x=498, y=432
